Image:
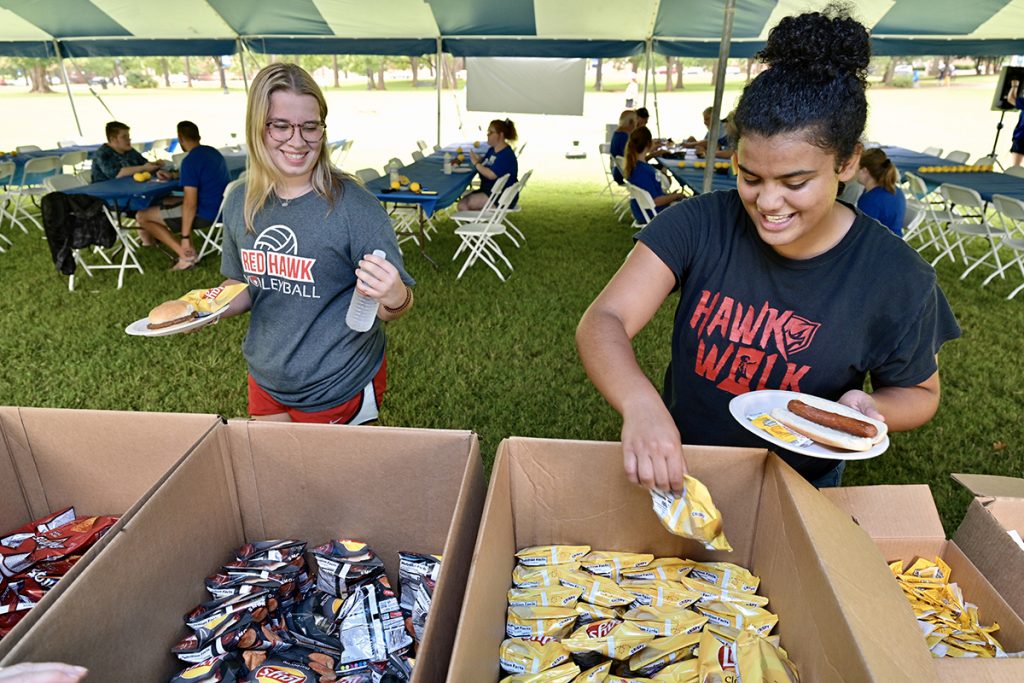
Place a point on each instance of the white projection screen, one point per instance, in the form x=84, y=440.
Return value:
x=525, y=85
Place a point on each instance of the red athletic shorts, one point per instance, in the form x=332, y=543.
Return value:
x=360, y=408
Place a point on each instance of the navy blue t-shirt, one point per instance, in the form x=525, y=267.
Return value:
x=204, y=168
x=888, y=208
x=1018, y=132
x=501, y=163
x=749, y=318
x=646, y=178
x=617, y=148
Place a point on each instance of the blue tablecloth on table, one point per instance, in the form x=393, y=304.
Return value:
x=909, y=160
x=429, y=174
x=694, y=177
x=22, y=158
x=126, y=194
x=985, y=183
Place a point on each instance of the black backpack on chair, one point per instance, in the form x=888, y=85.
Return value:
x=74, y=221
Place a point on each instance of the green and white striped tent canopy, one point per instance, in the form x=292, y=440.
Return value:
x=523, y=28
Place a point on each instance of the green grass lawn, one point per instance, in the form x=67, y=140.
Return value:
x=476, y=353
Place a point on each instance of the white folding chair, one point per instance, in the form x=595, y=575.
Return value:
x=340, y=154
x=21, y=149
x=933, y=151
x=7, y=169
x=643, y=199
x=967, y=220
x=605, y=158
x=987, y=160
x=213, y=236
x=478, y=238
x=516, y=207
x=76, y=160
x=177, y=157
x=32, y=175
x=522, y=148
x=159, y=149
x=422, y=145
x=1017, y=171
x=417, y=155
x=929, y=232
x=958, y=156
x=367, y=174
x=914, y=217
x=621, y=207
x=1011, y=219
x=59, y=183
x=139, y=147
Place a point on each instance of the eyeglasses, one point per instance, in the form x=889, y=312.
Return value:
x=310, y=131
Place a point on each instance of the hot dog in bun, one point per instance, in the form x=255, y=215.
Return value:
x=171, y=313
x=831, y=424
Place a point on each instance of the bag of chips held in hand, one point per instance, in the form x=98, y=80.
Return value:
x=691, y=515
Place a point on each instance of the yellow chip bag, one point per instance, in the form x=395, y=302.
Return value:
x=661, y=652
x=665, y=621
x=555, y=596
x=590, y=613
x=710, y=592
x=546, y=555
x=207, y=301
x=691, y=515
x=540, y=577
x=661, y=593
x=685, y=671
x=620, y=679
x=738, y=616
x=560, y=674
x=537, y=622
x=609, y=563
x=597, y=674
x=661, y=569
x=610, y=637
x=597, y=590
x=759, y=661
x=717, y=654
x=726, y=575
x=531, y=655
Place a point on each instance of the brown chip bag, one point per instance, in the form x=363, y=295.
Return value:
x=691, y=515
x=531, y=655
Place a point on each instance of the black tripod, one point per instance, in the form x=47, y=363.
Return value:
x=995, y=143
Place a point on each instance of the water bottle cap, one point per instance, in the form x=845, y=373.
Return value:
x=380, y=252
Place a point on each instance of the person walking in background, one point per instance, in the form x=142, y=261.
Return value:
x=643, y=175
x=632, y=90
x=1014, y=99
x=499, y=160
x=116, y=158
x=617, y=145
x=203, y=175
x=779, y=285
x=301, y=236
x=881, y=199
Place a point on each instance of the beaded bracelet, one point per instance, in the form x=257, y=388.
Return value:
x=405, y=304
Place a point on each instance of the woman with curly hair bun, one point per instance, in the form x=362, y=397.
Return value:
x=780, y=285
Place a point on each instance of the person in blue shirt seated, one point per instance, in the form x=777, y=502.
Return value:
x=204, y=175
x=643, y=175
x=499, y=160
x=117, y=158
x=617, y=145
x=881, y=199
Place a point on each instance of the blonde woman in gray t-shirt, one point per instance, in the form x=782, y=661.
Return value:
x=301, y=236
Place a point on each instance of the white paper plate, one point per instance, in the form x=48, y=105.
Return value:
x=756, y=402
x=140, y=328
x=462, y=169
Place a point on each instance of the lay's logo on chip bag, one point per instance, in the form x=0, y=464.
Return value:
x=279, y=674
x=600, y=629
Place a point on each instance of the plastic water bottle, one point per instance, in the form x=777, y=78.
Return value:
x=362, y=310
x=393, y=175
x=447, y=163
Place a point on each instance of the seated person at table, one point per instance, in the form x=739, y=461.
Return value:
x=726, y=132
x=617, y=145
x=642, y=116
x=499, y=160
x=117, y=158
x=881, y=199
x=204, y=175
x=643, y=175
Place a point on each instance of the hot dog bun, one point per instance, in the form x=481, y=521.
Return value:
x=826, y=435
x=171, y=313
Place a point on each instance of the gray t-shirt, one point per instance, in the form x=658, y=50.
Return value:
x=300, y=264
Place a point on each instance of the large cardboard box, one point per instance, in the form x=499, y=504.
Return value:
x=100, y=462
x=397, y=489
x=905, y=524
x=998, y=508
x=836, y=600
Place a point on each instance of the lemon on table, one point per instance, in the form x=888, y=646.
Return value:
x=139, y=177
x=461, y=157
x=458, y=150
x=682, y=164
x=415, y=187
x=476, y=143
x=403, y=179
x=395, y=184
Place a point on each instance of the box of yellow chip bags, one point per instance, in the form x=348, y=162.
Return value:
x=952, y=604
x=810, y=565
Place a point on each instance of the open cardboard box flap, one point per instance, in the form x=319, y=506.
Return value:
x=890, y=511
x=397, y=489
x=100, y=462
x=823, y=575
x=991, y=485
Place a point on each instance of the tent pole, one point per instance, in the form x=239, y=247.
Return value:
x=716, y=113
x=67, y=85
x=241, y=60
x=647, y=71
x=437, y=82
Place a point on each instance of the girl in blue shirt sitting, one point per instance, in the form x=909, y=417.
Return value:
x=643, y=175
x=881, y=199
x=499, y=160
